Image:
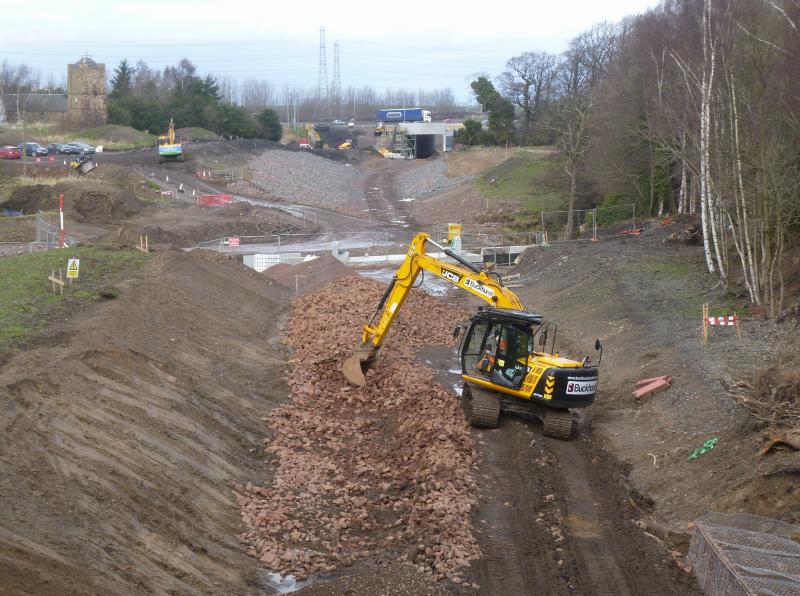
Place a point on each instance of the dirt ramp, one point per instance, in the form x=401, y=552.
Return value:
x=309, y=276
x=370, y=475
x=120, y=434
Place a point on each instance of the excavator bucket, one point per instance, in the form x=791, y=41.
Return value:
x=356, y=365
x=86, y=167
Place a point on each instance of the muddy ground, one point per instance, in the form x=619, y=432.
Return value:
x=123, y=427
x=126, y=427
x=643, y=297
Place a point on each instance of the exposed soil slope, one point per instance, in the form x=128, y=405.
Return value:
x=643, y=297
x=120, y=432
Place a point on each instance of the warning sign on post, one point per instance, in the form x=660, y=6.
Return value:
x=73, y=267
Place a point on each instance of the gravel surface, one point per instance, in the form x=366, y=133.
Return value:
x=428, y=178
x=381, y=472
x=304, y=178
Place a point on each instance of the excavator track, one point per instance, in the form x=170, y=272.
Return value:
x=481, y=408
x=557, y=424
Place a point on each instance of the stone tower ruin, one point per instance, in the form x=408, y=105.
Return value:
x=86, y=92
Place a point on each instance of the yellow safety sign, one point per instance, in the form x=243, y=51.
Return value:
x=73, y=267
x=453, y=231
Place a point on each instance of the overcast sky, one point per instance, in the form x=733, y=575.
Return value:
x=382, y=44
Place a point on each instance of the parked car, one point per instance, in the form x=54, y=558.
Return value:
x=33, y=149
x=9, y=152
x=55, y=148
x=67, y=149
x=81, y=146
x=339, y=124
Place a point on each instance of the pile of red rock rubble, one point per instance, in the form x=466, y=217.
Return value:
x=379, y=473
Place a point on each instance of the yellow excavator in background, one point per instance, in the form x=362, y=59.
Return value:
x=168, y=148
x=314, y=138
x=501, y=368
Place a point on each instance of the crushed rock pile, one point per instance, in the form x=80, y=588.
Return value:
x=428, y=178
x=303, y=177
x=379, y=473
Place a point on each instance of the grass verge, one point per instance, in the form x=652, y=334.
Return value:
x=27, y=302
x=527, y=177
x=112, y=137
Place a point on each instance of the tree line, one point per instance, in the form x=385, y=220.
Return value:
x=142, y=97
x=147, y=99
x=690, y=108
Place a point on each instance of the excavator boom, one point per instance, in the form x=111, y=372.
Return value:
x=464, y=274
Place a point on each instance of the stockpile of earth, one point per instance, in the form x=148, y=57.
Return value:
x=380, y=473
x=95, y=203
x=309, y=276
x=304, y=177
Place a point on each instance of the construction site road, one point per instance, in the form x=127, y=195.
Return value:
x=553, y=516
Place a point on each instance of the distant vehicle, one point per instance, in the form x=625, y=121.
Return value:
x=404, y=115
x=55, y=148
x=350, y=124
x=339, y=124
x=33, y=149
x=9, y=152
x=168, y=148
x=68, y=149
x=81, y=147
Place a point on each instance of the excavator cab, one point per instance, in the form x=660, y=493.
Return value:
x=497, y=346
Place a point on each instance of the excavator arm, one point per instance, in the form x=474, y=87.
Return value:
x=464, y=274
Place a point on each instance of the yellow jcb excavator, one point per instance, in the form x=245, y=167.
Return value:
x=501, y=367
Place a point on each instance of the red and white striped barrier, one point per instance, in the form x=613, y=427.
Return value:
x=214, y=200
x=719, y=321
x=61, y=241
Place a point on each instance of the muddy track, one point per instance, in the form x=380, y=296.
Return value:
x=382, y=199
x=590, y=535
x=555, y=517
x=519, y=554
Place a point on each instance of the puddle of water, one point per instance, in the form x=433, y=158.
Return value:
x=283, y=585
x=455, y=371
x=406, y=200
x=457, y=388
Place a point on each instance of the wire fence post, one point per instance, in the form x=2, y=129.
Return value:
x=594, y=222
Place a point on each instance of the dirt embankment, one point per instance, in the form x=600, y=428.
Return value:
x=121, y=430
x=96, y=203
x=643, y=297
x=372, y=475
x=311, y=276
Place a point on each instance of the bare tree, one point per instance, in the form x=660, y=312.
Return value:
x=529, y=83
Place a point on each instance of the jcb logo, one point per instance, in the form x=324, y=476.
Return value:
x=450, y=275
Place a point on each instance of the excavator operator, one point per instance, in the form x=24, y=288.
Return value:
x=504, y=360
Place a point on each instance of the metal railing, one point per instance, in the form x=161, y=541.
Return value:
x=48, y=235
